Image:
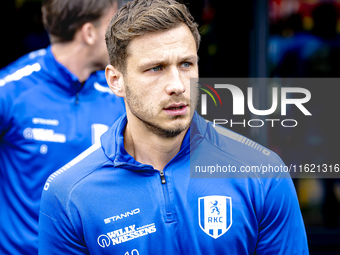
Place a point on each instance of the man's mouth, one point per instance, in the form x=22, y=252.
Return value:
x=176, y=109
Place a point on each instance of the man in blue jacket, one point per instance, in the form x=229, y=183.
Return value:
x=133, y=193
x=53, y=106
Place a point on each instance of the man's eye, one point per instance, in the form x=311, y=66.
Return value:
x=186, y=64
x=156, y=69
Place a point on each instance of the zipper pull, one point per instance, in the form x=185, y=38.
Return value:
x=77, y=98
x=162, y=176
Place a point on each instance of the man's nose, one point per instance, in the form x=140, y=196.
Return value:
x=174, y=82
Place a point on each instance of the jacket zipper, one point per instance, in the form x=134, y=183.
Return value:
x=169, y=214
x=77, y=98
x=77, y=94
x=168, y=211
x=162, y=177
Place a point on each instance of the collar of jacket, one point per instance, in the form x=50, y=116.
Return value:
x=113, y=142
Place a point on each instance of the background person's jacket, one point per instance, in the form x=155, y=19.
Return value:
x=47, y=117
x=105, y=202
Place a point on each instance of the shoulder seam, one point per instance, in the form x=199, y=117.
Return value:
x=73, y=162
x=241, y=139
x=20, y=73
x=241, y=161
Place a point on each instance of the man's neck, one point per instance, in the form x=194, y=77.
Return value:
x=149, y=148
x=74, y=57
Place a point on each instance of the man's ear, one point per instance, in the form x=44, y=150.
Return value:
x=88, y=33
x=114, y=79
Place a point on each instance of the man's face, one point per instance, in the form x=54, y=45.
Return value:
x=157, y=80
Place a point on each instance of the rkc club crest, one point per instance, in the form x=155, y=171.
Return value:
x=215, y=215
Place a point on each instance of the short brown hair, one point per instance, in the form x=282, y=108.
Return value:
x=62, y=18
x=141, y=17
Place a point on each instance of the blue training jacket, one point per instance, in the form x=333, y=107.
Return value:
x=47, y=117
x=105, y=202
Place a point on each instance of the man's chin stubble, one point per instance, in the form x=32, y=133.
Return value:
x=161, y=132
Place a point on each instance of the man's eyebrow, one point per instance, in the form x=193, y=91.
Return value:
x=151, y=63
x=190, y=58
x=148, y=64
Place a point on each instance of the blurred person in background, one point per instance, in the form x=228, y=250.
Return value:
x=54, y=104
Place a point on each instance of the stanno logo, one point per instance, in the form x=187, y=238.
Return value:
x=45, y=121
x=121, y=216
x=215, y=215
x=125, y=234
